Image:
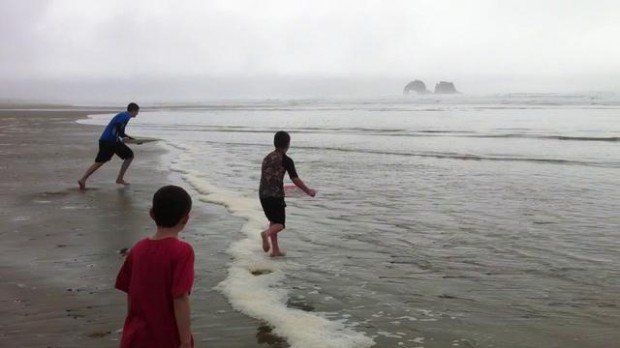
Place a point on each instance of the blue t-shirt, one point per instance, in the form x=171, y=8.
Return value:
x=116, y=128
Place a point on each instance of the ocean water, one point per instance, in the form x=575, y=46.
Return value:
x=439, y=222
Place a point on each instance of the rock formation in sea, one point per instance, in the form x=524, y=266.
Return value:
x=444, y=87
x=416, y=86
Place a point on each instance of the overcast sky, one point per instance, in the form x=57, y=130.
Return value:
x=494, y=44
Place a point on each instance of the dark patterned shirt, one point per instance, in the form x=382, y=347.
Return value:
x=274, y=166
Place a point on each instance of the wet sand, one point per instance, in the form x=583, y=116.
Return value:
x=61, y=248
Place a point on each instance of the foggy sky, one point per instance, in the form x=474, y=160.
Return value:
x=482, y=45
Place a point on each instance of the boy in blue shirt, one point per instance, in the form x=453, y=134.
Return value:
x=112, y=142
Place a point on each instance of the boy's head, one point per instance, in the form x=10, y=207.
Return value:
x=133, y=109
x=171, y=206
x=282, y=140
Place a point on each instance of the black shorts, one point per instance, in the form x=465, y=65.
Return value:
x=274, y=208
x=107, y=149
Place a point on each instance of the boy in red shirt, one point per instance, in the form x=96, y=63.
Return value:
x=157, y=276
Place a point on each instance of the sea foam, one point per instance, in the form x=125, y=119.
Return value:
x=252, y=285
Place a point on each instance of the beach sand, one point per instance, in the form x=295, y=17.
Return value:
x=61, y=248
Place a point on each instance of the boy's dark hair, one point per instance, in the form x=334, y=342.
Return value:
x=281, y=140
x=170, y=205
x=133, y=107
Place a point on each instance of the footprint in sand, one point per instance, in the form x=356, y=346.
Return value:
x=99, y=334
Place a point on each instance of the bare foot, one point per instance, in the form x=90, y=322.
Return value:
x=277, y=254
x=82, y=185
x=122, y=182
x=266, y=245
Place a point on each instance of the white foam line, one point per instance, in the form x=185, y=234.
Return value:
x=260, y=296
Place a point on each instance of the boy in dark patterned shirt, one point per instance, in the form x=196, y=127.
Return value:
x=271, y=191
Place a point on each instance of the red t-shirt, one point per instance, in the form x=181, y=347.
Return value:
x=154, y=273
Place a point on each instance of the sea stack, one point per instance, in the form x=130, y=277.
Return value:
x=444, y=87
x=416, y=86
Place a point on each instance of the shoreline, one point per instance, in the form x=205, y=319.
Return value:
x=61, y=248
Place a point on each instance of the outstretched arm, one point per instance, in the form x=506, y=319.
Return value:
x=182, y=316
x=299, y=183
x=120, y=130
x=289, y=165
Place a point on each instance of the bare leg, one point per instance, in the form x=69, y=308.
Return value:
x=265, y=239
x=273, y=228
x=89, y=172
x=273, y=236
x=121, y=173
x=268, y=233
